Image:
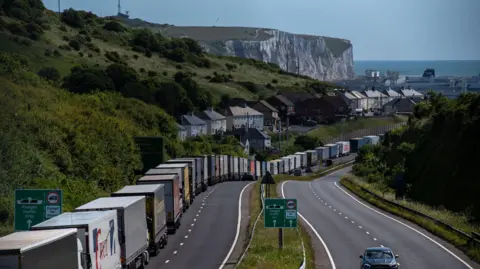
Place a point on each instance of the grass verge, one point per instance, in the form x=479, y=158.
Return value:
x=459, y=221
x=263, y=252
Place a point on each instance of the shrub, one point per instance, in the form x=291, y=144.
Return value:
x=49, y=73
x=230, y=66
x=152, y=73
x=74, y=44
x=113, y=56
x=114, y=26
x=17, y=29
x=73, y=18
x=274, y=81
x=87, y=80
x=63, y=28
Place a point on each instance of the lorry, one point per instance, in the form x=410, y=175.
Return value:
x=264, y=168
x=333, y=150
x=42, y=250
x=251, y=167
x=97, y=239
x=273, y=167
x=230, y=168
x=182, y=173
x=236, y=173
x=356, y=144
x=323, y=153
x=193, y=176
x=196, y=164
x=211, y=170
x=132, y=227
x=173, y=200
x=372, y=139
x=303, y=159
x=155, y=210
x=188, y=185
x=217, y=169
x=258, y=170
x=343, y=148
x=225, y=168
x=245, y=165
x=289, y=164
x=312, y=157
x=202, y=163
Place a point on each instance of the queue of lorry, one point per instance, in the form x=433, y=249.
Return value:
x=124, y=230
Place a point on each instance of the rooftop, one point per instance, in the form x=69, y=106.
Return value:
x=192, y=120
x=243, y=111
x=210, y=114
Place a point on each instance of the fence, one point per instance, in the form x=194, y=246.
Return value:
x=363, y=132
x=473, y=239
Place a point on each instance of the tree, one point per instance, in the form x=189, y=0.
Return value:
x=307, y=142
x=49, y=73
x=121, y=75
x=86, y=80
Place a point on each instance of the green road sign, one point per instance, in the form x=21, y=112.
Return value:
x=280, y=213
x=35, y=206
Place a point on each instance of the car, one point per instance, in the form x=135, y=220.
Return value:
x=380, y=258
x=298, y=172
x=248, y=177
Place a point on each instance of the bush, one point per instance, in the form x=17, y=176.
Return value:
x=152, y=73
x=74, y=44
x=114, y=26
x=86, y=80
x=73, y=18
x=113, y=56
x=49, y=73
x=221, y=78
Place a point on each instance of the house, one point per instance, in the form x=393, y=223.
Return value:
x=375, y=99
x=282, y=104
x=182, y=132
x=216, y=122
x=410, y=93
x=233, y=102
x=256, y=138
x=325, y=109
x=351, y=100
x=391, y=94
x=240, y=116
x=270, y=113
x=362, y=100
x=399, y=106
x=195, y=126
x=296, y=97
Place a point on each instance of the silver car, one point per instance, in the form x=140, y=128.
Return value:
x=379, y=258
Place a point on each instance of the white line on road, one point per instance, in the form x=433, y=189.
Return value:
x=239, y=221
x=330, y=258
x=409, y=227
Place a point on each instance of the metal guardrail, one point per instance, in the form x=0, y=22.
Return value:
x=367, y=131
x=473, y=239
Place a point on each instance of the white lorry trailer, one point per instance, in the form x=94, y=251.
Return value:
x=97, y=234
x=155, y=209
x=41, y=250
x=132, y=227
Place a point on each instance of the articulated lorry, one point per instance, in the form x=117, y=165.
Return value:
x=189, y=185
x=196, y=164
x=97, y=234
x=155, y=209
x=173, y=200
x=182, y=172
x=59, y=248
x=132, y=227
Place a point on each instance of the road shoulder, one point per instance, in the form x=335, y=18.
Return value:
x=244, y=234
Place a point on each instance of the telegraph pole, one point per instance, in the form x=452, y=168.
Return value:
x=59, y=12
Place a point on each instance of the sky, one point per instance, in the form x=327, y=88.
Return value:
x=378, y=29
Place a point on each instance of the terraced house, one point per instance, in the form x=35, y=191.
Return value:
x=270, y=114
x=216, y=122
x=194, y=125
x=241, y=116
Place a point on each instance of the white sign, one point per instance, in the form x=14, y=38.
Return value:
x=291, y=204
x=290, y=214
x=52, y=211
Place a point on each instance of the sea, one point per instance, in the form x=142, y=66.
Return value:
x=416, y=68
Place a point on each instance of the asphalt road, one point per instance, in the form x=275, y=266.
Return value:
x=207, y=230
x=347, y=227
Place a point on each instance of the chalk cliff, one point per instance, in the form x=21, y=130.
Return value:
x=319, y=57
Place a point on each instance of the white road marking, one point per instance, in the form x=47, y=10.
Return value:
x=409, y=227
x=167, y=261
x=189, y=231
x=192, y=224
x=175, y=252
x=186, y=236
x=374, y=239
x=353, y=222
x=330, y=258
x=368, y=232
x=181, y=244
x=239, y=220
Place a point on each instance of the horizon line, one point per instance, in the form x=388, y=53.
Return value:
x=362, y=60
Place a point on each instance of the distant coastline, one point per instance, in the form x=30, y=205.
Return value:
x=416, y=68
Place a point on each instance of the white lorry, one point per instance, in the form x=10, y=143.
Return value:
x=132, y=227
x=33, y=250
x=97, y=234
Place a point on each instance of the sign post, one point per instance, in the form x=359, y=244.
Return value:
x=280, y=213
x=35, y=206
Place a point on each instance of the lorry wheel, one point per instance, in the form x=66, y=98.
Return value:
x=156, y=250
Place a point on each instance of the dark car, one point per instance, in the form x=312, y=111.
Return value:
x=379, y=258
x=248, y=177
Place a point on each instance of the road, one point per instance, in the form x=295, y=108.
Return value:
x=347, y=225
x=207, y=231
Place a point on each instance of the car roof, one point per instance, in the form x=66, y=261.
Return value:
x=379, y=249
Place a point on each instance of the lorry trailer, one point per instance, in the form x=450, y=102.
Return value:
x=343, y=148
x=132, y=227
x=173, y=200
x=192, y=175
x=41, y=250
x=97, y=237
x=155, y=210
x=183, y=181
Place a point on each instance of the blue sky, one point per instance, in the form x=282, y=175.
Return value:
x=378, y=29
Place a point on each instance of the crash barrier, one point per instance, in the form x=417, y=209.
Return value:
x=363, y=132
x=473, y=239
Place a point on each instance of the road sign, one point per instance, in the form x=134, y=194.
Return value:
x=35, y=206
x=280, y=213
